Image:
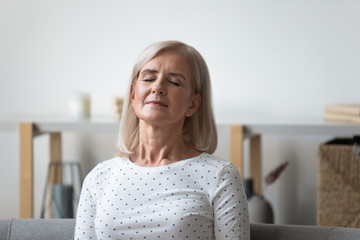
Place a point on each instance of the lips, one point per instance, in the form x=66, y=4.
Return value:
x=157, y=103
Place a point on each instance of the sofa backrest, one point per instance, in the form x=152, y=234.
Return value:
x=63, y=229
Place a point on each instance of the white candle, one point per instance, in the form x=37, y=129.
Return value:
x=79, y=105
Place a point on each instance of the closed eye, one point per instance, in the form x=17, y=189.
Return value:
x=148, y=80
x=174, y=83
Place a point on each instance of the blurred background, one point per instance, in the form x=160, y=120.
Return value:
x=269, y=61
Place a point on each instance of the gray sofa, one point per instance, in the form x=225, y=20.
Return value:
x=58, y=229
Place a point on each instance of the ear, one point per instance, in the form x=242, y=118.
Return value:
x=132, y=92
x=195, y=104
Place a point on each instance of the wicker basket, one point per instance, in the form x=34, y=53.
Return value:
x=338, y=201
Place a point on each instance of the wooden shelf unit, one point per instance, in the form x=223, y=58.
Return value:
x=238, y=132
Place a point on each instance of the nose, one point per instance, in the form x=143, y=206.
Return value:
x=158, y=88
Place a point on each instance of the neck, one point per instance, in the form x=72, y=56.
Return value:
x=161, y=146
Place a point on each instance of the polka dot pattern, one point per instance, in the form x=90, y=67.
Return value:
x=197, y=198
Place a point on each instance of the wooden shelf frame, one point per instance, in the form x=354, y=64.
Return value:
x=238, y=133
x=27, y=133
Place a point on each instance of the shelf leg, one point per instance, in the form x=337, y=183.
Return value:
x=55, y=158
x=236, y=147
x=255, y=163
x=55, y=174
x=26, y=170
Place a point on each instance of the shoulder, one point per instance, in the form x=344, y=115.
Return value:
x=223, y=167
x=213, y=165
x=102, y=171
x=212, y=161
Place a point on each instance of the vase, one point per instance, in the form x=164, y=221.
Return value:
x=260, y=210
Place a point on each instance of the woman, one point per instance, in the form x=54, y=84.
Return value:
x=164, y=184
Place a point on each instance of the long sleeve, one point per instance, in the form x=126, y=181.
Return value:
x=197, y=198
x=85, y=217
x=231, y=218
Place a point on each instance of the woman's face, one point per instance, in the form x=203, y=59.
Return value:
x=163, y=93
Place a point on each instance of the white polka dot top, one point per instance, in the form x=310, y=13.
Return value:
x=197, y=198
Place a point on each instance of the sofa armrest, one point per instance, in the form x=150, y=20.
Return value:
x=4, y=228
x=301, y=232
x=55, y=229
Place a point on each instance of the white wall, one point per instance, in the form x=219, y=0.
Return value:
x=268, y=59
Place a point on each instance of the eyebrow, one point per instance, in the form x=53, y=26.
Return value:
x=170, y=73
x=177, y=75
x=149, y=71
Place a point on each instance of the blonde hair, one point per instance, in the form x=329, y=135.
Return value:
x=199, y=130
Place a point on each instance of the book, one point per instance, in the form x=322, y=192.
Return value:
x=343, y=118
x=343, y=109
